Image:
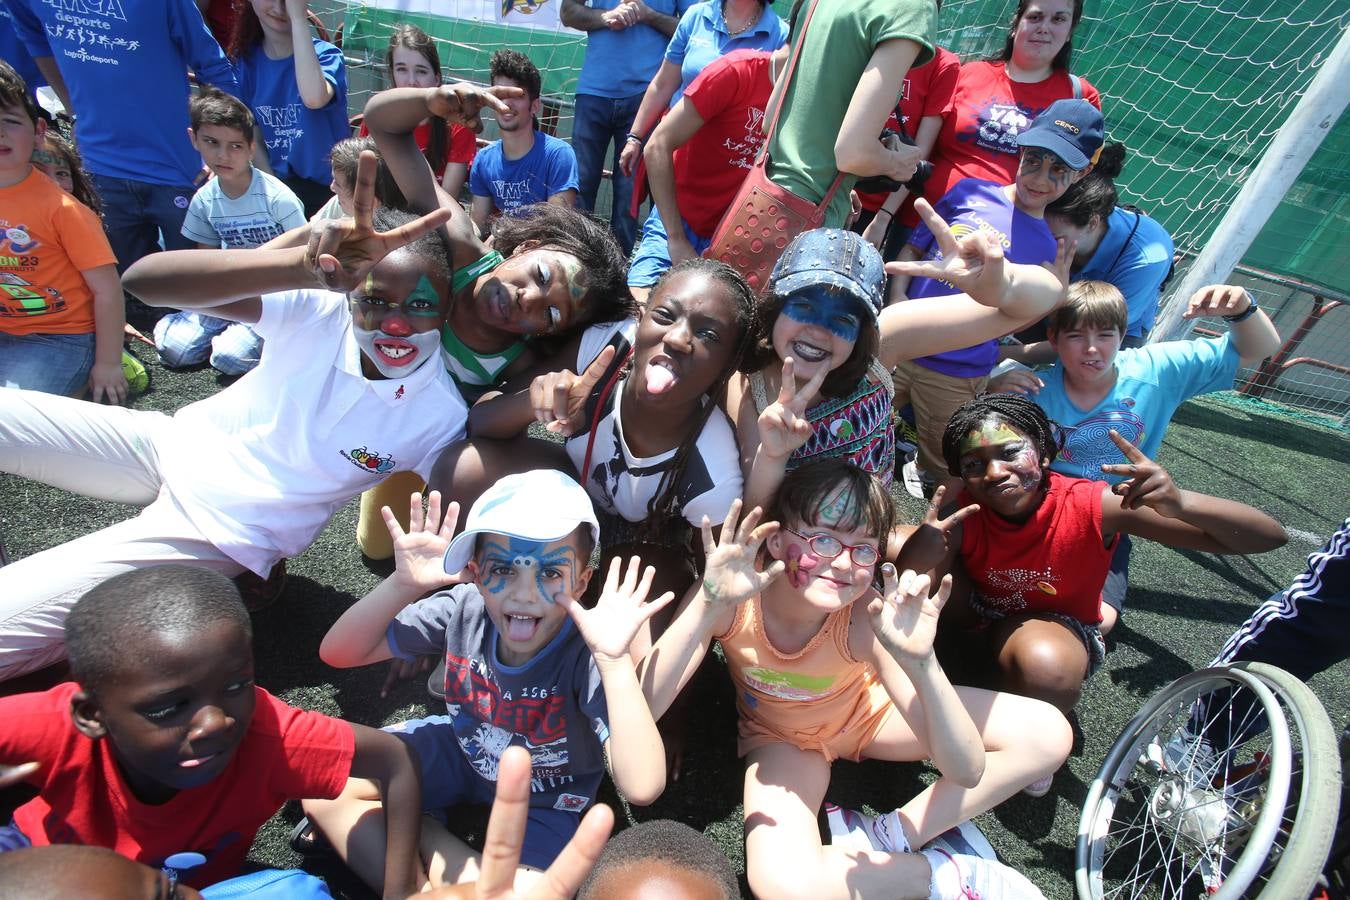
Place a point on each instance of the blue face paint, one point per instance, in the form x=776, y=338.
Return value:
x=836, y=312
x=550, y=570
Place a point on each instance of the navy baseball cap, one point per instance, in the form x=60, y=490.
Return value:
x=833, y=258
x=1073, y=130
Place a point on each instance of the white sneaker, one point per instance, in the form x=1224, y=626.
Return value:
x=913, y=480
x=853, y=830
x=963, y=840
x=960, y=877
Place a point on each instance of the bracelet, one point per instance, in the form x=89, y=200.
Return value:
x=883, y=210
x=1244, y=315
x=637, y=137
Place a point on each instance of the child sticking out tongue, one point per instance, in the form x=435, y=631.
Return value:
x=659, y=378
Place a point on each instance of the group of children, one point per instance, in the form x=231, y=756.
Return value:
x=729, y=449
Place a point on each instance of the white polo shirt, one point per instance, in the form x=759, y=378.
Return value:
x=261, y=467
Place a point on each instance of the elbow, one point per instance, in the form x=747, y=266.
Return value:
x=1271, y=536
x=647, y=790
x=970, y=774
x=317, y=102
x=849, y=158
x=335, y=655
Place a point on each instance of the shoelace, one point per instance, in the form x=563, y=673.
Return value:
x=968, y=892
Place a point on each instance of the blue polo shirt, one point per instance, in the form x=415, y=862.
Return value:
x=621, y=64
x=1135, y=255
x=702, y=36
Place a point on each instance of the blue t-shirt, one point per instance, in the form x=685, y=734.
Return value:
x=1135, y=255
x=299, y=139
x=548, y=168
x=621, y=63
x=125, y=64
x=702, y=36
x=976, y=205
x=553, y=706
x=1151, y=382
x=13, y=51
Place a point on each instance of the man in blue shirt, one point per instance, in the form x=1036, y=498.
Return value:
x=122, y=69
x=626, y=41
x=526, y=166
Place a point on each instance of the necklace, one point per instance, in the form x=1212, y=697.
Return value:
x=732, y=32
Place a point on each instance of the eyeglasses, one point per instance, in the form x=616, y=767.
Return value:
x=827, y=546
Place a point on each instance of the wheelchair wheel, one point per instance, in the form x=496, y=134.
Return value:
x=1225, y=784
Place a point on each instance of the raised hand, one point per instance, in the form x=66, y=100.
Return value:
x=1062, y=265
x=783, y=426
x=1017, y=381
x=1146, y=482
x=609, y=628
x=932, y=540
x=973, y=263
x=419, y=552
x=343, y=251
x=506, y=835
x=1218, y=300
x=559, y=398
x=729, y=574
x=463, y=103
x=905, y=617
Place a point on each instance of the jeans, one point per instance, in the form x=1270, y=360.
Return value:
x=652, y=259
x=190, y=338
x=137, y=213
x=51, y=363
x=600, y=122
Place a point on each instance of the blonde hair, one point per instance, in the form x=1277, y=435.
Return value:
x=1091, y=304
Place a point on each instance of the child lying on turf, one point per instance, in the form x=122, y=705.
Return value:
x=517, y=670
x=826, y=666
x=163, y=744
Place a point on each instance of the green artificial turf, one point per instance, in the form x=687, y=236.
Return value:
x=1182, y=606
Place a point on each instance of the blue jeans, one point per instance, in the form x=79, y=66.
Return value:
x=190, y=338
x=652, y=258
x=51, y=363
x=600, y=122
x=137, y=213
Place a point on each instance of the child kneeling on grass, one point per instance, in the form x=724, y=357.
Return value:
x=826, y=666
x=517, y=670
x=164, y=747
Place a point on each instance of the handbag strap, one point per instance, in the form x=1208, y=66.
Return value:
x=599, y=409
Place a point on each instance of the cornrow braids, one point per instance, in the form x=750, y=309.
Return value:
x=663, y=506
x=1016, y=410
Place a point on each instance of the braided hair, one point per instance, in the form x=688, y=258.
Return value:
x=1016, y=410
x=663, y=506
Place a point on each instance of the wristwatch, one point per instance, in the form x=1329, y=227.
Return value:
x=1246, y=313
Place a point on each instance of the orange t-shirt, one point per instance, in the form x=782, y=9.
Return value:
x=47, y=238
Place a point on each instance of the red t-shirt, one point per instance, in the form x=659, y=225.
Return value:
x=463, y=144
x=730, y=95
x=979, y=138
x=929, y=90
x=287, y=754
x=1054, y=562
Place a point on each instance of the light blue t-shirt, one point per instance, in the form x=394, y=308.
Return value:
x=266, y=210
x=702, y=36
x=125, y=64
x=621, y=63
x=1153, y=381
x=1135, y=255
x=299, y=139
x=548, y=168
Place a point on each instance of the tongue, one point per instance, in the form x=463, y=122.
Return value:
x=520, y=630
x=659, y=379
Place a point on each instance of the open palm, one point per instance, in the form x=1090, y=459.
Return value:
x=610, y=626
x=730, y=574
x=905, y=619
x=419, y=552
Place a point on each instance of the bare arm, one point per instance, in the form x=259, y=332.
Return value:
x=654, y=101
x=857, y=150
x=567, y=198
x=106, y=380
x=575, y=14
x=673, y=132
x=899, y=291
x=481, y=212
x=388, y=761
x=658, y=20
x=315, y=90
x=1254, y=338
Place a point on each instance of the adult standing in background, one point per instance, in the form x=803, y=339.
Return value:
x=122, y=69
x=846, y=83
x=624, y=46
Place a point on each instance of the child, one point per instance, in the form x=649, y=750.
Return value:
x=661, y=858
x=251, y=475
x=241, y=208
x=296, y=85
x=1038, y=549
x=526, y=166
x=343, y=159
x=517, y=671
x=163, y=744
x=827, y=667
x=60, y=161
x=1096, y=386
x=61, y=312
x=1057, y=149
x=412, y=60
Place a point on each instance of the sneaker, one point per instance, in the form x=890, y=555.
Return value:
x=1040, y=787
x=853, y=830
x=914, y=480
x=965, y=839
x=961, y=877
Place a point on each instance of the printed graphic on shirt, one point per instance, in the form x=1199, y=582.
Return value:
x=997, y=127
x=787, y=685
x=20, y=297
x=1088, y=444
x=284, y=122
x=571, y=802
x=1014, y=585
x=741, y=153
x=246, y=232
x=371, y=460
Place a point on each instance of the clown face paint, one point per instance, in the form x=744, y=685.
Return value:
x=520, y=581
x=396, y=337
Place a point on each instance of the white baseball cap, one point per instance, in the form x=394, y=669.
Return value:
x=542, y=505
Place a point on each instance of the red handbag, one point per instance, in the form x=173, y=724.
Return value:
x=764, y=217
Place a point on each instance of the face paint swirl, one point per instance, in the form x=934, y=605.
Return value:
x=397, y=337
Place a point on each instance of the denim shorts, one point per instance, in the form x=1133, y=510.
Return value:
x=51, y=363
x=1089, y=635
x=651, y=257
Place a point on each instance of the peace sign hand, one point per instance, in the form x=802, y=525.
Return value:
x=342, y=252
x=931, y=542
x=559, y=398
x=1062, y=265
x=905, y=618
x=973, y=262
x=783, y=426
x=1147, y=483
x=729, y=574
x=463, y=103
x=419, y=553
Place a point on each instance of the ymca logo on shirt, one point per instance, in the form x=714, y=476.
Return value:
x=741, y=153
x=284, y=122
x=999, y=126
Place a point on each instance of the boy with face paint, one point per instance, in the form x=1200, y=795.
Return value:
x=525, y=665
x=348, y=392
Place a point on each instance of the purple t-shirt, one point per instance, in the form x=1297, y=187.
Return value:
x=971, y=205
